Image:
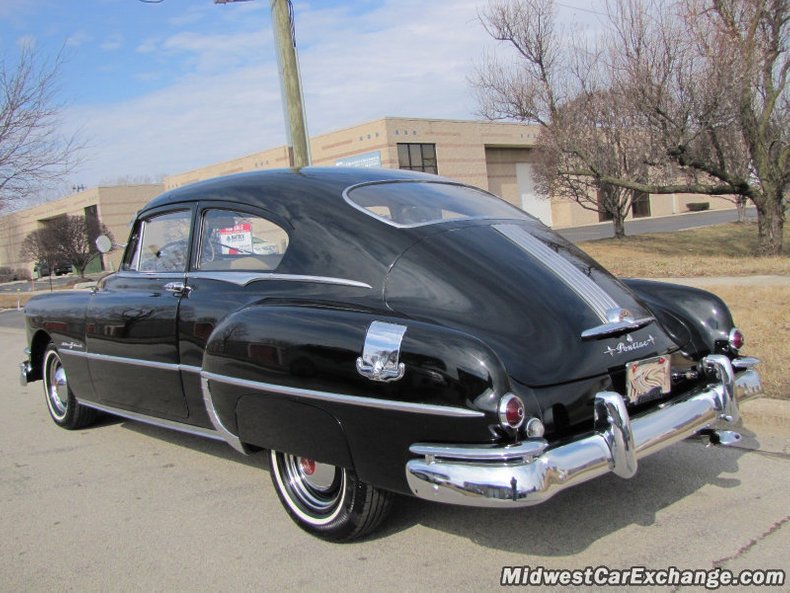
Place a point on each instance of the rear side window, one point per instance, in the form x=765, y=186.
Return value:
x=233, y=240
x=417, y=203
x=160, y=243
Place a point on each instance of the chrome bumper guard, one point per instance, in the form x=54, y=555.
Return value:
x=25, y=370
x=531, y=472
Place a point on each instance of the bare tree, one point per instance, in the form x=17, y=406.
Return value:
x=33, y=152
x=41, y=247
x=700, y=86
x=65, y=238
x=588, y=135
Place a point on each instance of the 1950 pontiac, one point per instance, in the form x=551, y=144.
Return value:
x=383, y=332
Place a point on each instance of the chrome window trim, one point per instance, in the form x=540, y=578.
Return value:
x=399, y=225
x=154, y=275
x=154, y=421
x=357, y=400
x=245, y=278
x=135, y=266
x=592, y=294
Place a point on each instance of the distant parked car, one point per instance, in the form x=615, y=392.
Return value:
x=61, y=268
x=387, y=331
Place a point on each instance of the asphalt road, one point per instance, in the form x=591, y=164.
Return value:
x=655, y=225
x=126, y=507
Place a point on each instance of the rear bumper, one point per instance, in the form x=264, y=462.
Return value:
x=533, y=471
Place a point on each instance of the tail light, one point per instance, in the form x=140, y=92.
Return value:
x=736, y=339
x=511, y=411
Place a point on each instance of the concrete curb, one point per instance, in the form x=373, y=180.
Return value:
x=768, y=413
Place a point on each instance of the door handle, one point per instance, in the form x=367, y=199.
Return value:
x=178, y=288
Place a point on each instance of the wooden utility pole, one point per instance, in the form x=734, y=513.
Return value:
x=290, y=84
x=297, y=140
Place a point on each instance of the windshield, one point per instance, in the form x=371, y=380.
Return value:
x=417, y=203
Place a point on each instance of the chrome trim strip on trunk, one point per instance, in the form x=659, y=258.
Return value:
x=472, y=476
x=592, y=294
x=368, y=402
x=152, y=420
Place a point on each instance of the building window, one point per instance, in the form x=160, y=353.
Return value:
x=640, y=204
x=417, y=157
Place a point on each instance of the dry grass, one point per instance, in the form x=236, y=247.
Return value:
x=8, y=300
x=763, y=314
x=722, y=250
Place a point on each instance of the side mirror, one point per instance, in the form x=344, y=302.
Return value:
x=103, y=243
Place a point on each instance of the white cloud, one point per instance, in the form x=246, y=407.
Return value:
x=404, y=58
x=77, y=39
x=113, y=42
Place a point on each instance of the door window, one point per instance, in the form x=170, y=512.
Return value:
x=160, y=243
x=233, y=240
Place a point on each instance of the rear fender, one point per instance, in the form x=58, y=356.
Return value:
x=274, y=371
x=697, y=320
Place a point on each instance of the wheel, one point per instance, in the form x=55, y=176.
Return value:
x=327, y=501
x=64, y=408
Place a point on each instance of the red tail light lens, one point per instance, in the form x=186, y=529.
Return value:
x=511, y=411
x=736, y=339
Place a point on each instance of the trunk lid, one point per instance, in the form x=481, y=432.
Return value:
x=526, y=292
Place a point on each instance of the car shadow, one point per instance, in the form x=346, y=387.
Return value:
x=200, y=444
x=566, y=524
x=574, y=519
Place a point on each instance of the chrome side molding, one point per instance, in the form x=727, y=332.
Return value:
x=380, y=360
x=154, y=421
x=226, y=435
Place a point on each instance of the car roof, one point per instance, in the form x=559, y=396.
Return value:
x=328, y=236
x=294, y=186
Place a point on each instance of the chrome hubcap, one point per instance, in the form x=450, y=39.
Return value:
x=318, y=486
x=57, y=385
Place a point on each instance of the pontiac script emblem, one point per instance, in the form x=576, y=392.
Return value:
x=632, y=345
x=72, y=345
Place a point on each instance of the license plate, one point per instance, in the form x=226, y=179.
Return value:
x=648, y=379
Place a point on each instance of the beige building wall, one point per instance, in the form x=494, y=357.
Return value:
x=492, y=155
x=460, y=148
x=115, y=206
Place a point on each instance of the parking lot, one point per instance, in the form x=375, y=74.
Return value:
x=127, y=507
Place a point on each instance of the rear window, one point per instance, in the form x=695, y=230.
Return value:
x=417, y=203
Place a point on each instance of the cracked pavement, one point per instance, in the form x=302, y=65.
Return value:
x=127, y=507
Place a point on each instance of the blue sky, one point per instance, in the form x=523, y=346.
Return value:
x=164, y=88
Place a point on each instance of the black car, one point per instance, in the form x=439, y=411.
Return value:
x=42, y=269
x=380, y=332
